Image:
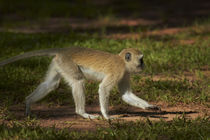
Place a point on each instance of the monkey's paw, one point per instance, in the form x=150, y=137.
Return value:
x=153, y=107
x=89, y=116
x=112, y=118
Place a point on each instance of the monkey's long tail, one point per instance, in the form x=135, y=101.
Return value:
x=47, y=52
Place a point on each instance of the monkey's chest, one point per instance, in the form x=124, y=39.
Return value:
x=91, y=74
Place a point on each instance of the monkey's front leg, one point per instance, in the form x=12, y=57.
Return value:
x=130, y=98
x=133, y=100
x=79, y=98
x=104, y=92
x=104, y=101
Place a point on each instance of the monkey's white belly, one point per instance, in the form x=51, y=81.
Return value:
x=91, y=74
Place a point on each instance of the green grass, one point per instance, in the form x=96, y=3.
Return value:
x=179, y=128
x=173, y=91
x=162, y=57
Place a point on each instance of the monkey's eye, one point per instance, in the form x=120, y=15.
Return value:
x=128, y=56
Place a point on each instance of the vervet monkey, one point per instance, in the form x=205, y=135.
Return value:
x=75, y=64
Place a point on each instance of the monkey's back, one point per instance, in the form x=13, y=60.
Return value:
x=97, y=60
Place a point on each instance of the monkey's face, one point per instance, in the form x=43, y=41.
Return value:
x=133, y=59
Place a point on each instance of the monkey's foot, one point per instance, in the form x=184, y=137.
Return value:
x=107, y=117
x=112, y=118
x=89, y=116
x=153, y=107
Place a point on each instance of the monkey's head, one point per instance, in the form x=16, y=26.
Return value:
x=133, y=59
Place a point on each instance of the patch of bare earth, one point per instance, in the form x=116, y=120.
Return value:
x=119, y=27
x=65, y=117
x=166, y=31
x=95, y=25
x=66, y=24
x=87, y=25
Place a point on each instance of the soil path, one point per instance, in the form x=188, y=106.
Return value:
x=65, y=117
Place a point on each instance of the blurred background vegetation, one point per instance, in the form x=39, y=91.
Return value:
x=170, y=12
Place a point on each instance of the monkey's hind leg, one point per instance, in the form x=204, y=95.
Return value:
x=50, y=83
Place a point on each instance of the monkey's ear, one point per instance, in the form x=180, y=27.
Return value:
x=128, y=56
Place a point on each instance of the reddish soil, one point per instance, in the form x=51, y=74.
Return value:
x=166, y=31
x=65, y=117
x=79, y=25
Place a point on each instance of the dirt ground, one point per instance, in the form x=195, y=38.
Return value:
x=65, y=117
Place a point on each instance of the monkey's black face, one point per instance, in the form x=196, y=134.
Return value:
x=141, y=63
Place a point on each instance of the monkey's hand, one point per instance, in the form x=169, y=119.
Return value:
x=153, y=107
